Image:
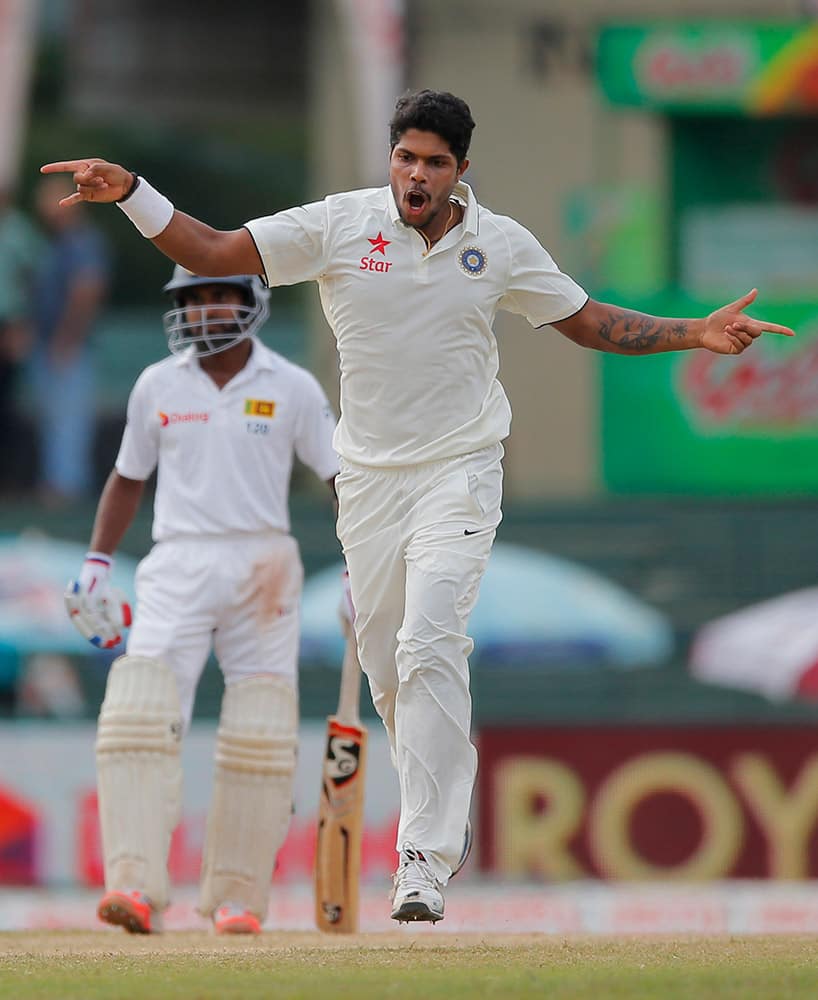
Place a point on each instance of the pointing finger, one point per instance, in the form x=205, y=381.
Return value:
x=758, y=326
x=90, y=170
x=64, y=166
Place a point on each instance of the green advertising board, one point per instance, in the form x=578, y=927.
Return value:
x=693, y=422
x=711, y=66
x=617, y=238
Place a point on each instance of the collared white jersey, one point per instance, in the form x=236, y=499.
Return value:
x=418, y=355
x=224, y=456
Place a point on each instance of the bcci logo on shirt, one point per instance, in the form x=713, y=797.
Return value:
x=473, y=261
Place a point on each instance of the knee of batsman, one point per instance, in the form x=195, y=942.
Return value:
x=141, y=710
x=258, y=726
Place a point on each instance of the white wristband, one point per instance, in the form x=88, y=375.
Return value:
x=148, y=209
x=99, y=557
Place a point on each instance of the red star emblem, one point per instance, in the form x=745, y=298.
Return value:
x=379, y=244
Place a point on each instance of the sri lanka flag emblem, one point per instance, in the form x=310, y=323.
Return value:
x=259, y=407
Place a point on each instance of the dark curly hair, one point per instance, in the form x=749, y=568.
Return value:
x=434, y=111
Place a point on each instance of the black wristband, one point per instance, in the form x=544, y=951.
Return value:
x=133, y=188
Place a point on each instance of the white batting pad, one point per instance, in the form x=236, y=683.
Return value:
x=252, y=793
x=139, y=775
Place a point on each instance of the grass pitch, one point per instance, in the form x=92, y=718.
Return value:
x=196, y=966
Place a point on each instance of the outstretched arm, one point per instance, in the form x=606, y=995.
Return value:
x=195, y=245
x=611, y=328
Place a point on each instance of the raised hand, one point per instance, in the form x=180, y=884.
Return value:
x=729, y=331
x=96, y=180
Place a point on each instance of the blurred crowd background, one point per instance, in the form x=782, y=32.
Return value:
x=665, y=151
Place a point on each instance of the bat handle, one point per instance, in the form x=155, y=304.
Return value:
x=349, y=699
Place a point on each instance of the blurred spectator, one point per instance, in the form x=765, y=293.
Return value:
x=20, y=246
x=48, y=687
x=70, y=287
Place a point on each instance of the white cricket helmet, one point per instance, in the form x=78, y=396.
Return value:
x=210, y=334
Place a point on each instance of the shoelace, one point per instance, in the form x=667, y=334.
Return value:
x=413, y=874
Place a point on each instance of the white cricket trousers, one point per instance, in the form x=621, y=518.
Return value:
x=237, y=593
x=417, y=541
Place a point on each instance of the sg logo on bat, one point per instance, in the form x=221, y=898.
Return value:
x=343, y=754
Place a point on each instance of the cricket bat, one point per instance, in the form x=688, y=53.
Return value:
x=341, y=809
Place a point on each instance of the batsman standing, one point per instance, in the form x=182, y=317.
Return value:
x=411, y=276
x=220, y=420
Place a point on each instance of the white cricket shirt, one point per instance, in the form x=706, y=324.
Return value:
x=224, y=456
x=418, y=355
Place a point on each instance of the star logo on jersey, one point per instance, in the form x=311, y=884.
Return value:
x=379, y=244
x=378, y=264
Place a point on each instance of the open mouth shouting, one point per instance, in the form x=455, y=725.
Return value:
x=416, y=202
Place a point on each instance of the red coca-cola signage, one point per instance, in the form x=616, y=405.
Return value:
x=759, y=389
x=673, y=67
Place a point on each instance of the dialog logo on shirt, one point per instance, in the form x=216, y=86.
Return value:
x=473, y=261
x=190, y=417
x=259, y=408
x=379, y=245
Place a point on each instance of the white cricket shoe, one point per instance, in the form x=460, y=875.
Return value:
x=416, y=892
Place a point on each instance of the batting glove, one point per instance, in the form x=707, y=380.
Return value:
x=98, y=610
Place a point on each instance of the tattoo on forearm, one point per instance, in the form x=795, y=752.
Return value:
x=633, y=331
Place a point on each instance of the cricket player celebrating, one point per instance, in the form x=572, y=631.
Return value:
x=411, y=276
x=220, y=420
